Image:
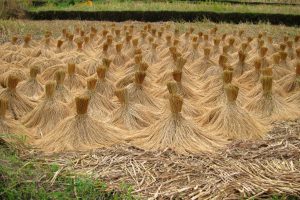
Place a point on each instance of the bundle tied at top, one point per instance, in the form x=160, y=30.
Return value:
x=71, y=68
x=59, y=43
x=172, y=87
x=176, y=102
x=14, y=39
x=122, y=95
x=12, y=82
x=227, y=76
x=101, y=71
x=139, y=77
x=3, y=107
x=106, y=62
x=180, y=62
x=60, y=76
x=206, y=51
x=297, y=68
x=242, y=56
x=82, y=103
x=79, y=44
x=177, y=75
x=231, y=92
x=34, y=71
x=91, y=83
x=267, y=82
x=119, y=47
x=267, y=71
x=50, y=89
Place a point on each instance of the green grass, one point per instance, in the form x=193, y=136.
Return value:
x=175, y=6
x=32, y=179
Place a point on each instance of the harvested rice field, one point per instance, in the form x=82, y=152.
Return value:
x=174, y=110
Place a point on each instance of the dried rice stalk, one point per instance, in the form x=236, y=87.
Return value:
x=104, y=86
x=74, y=81
x=177, y=133
x=131, y=116
x=80, y=132
x=119, y=59
x=9, y=126
x=48, y=113
x=232, y=121
x=18, y=105
x=200, y=66
x=291, y=83
x=49, y=73
x=99, y=106
x=250, y=78
x=32, y=87
x=138, y=93
x=61, y=92
x=19, y=73
x=271, y=106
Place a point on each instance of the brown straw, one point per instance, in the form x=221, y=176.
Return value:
x=139, y=77
x=172, y=87
x=60, y=76
x=82, y=104
x=91, y=83
x=50, y=89
x=231, y=92
x=101, y=71
x=34, y=71
x=176, y=102
x=122, y=95
x=3, y=107
x=71, y=68
x=12, y=82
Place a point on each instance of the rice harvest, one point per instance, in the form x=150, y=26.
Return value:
x=137, y=99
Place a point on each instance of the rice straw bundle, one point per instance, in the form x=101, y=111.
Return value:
x=99, y=106
x=175, y=132
x=257, y=89
x=151, y=56
x=32, y=87
x=232, y=121
x=186, y=90
x=9, y=126
x=74, y=81
x=13, y=56
x=18, y=105
x=291, y=82
x=270, y=105
x=215, y=70
x=104, y=87
x=131, y=116
x=200, y=66
x=213, y=76
x=48, y=113
x=69, y=44
x=59, y=46
x=119, y=59
x=49, y=73
x=80, y=132
x=283, y=61
x=45, y=63
x=90, y=65
x=278, y=70
x=188, y=109
x=61, y=92
x=250, y=78
x=240, y=67
x=193, y=54
x=132, y=65
x=216, y=51
x=138, y=93
x=231, y=45
x=290, y=50
x=19, y=73
x=262, y=56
